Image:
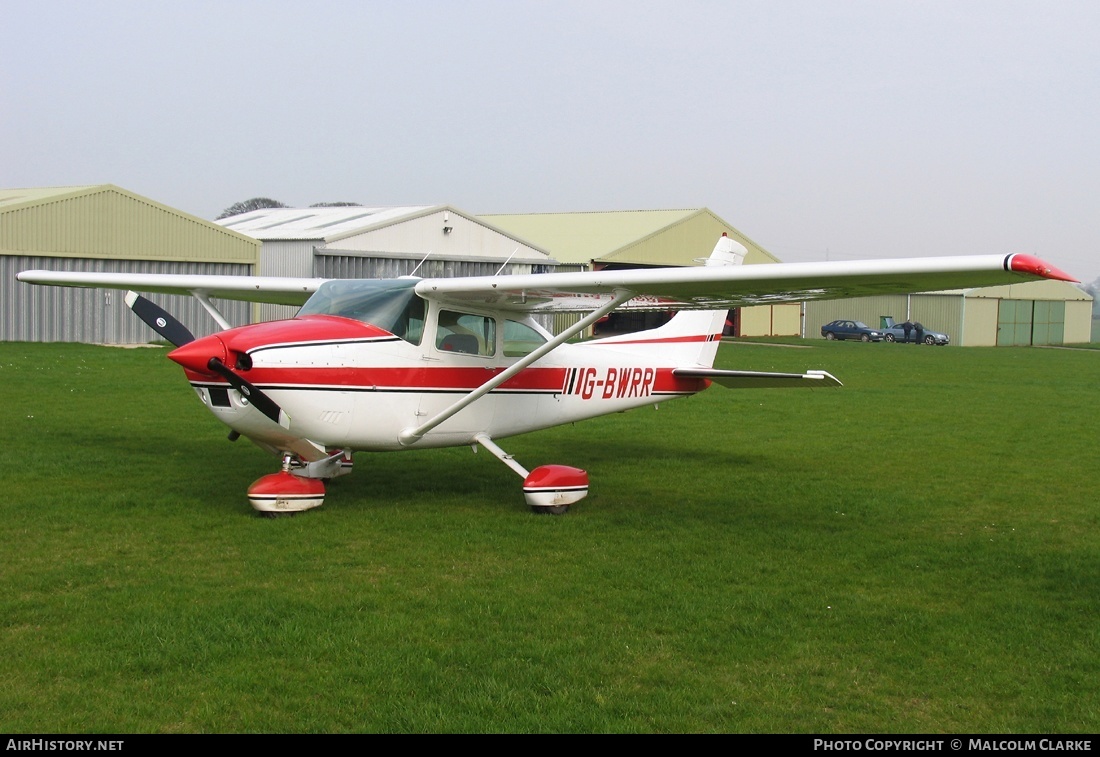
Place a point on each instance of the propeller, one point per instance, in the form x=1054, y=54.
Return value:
x=165, y=324
x=159, y=319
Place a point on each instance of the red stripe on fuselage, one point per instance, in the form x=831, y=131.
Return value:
x=672, y=339
x=549, y=380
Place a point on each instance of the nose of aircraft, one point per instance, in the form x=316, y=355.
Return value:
x=233, y=347
x=195, y=356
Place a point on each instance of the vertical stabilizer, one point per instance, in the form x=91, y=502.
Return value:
x=691, y=337
x=727, y=252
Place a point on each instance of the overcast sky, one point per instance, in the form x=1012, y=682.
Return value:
x=822, y=130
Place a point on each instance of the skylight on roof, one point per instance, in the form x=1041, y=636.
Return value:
x=289, y=220
x=342, y=220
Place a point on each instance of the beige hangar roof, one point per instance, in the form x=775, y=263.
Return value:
x=103, y=221
x=627, y=237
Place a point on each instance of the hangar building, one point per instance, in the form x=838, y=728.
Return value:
x=104, y=228
x=649, y=238
x=1034, y=313
x=1046, y=312
x=383, y=242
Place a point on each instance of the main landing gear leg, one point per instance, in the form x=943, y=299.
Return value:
x=548, y=489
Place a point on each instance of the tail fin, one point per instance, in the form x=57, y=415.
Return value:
x=691, y=337
x=726, y=252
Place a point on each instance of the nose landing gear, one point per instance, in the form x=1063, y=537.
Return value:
x=298, y=486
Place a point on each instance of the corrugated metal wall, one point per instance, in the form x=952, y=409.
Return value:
x=380, y=266
x=1078, y=322
x=771, y=320
x=107, y=229
x=35, y=313
x=292, y=258
x=979, y=322
x=939, y=312
x=283, y=257
x=866, y=309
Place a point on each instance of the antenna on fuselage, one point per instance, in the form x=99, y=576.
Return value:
x=506, y=262
x=413, y=273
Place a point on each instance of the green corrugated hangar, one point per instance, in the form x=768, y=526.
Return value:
x=1035, y=313
x=648, y=238
x=104, y=228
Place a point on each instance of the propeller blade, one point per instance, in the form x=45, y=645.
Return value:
x=252, y=393
x=159, y=320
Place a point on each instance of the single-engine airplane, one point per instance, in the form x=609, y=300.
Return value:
x=408, y=363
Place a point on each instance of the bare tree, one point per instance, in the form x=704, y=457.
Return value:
x=256, y=203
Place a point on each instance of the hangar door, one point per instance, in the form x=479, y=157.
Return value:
x=1028, y=322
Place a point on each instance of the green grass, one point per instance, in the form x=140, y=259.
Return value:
x=916, y=552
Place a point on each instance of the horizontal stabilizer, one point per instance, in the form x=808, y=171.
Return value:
x=760, y=380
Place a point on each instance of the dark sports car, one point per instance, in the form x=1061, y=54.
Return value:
x=843, y=329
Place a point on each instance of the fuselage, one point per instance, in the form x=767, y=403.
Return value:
x=347, y=384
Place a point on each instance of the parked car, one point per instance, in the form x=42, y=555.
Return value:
x=896, y=333
x=843, y=329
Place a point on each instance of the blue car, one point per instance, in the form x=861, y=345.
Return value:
x=843, y=329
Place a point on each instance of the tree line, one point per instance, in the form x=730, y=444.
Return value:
x=258, y=203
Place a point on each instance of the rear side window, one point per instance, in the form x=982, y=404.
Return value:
x=466, y=333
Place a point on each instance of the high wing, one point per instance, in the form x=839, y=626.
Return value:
x=275, y=290
x=724, y=287
x=701, y=287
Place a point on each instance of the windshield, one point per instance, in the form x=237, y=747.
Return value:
x=389, y=304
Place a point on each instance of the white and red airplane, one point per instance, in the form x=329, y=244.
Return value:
x=381, y=365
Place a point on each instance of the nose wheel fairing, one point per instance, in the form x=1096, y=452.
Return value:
x=283, y=492
x=299, y=485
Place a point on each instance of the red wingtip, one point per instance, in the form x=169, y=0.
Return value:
x=1036, y=267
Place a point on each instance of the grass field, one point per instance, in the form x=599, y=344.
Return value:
x=918, y=551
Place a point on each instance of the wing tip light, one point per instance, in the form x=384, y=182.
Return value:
x=1036, y=267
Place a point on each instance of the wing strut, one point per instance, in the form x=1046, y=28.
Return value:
x=501, y=455
x=204, y=300
x=412, y=435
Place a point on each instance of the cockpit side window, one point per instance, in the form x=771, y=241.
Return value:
x=466, y=333
x=410, y=325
